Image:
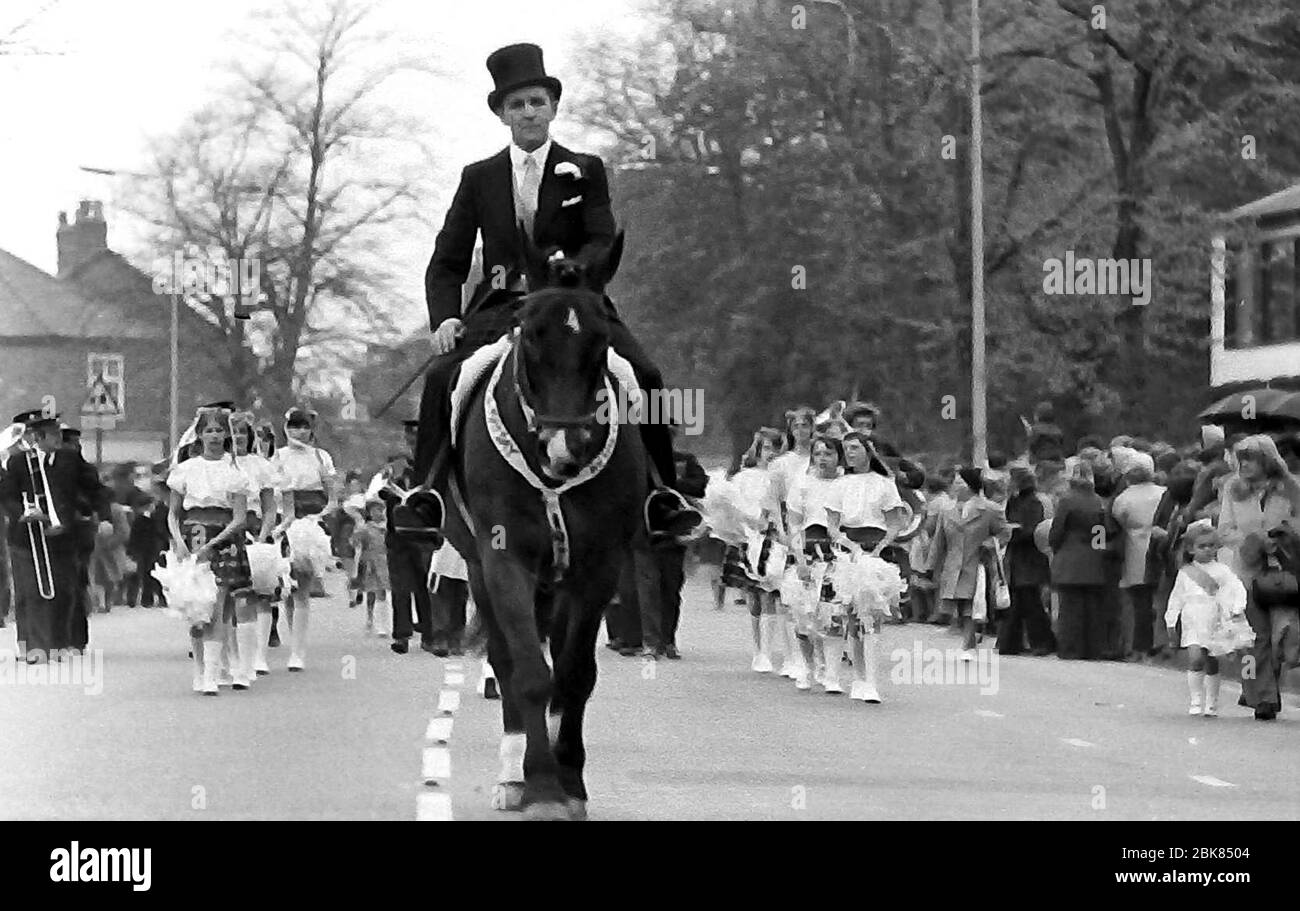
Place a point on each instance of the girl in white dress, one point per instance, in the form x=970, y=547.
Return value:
x=810, y=540
x=253, y=613
x=758, y=498
x=790, y=468
x=1206, y=597
x=209, y=501
x=306, y=476
x=864, y=510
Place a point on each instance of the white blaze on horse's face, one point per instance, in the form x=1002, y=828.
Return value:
x=572, y=322
x=559, y=461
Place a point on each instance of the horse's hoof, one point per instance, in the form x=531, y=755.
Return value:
x=508, y=796
x=577, y=809
x=548, y=811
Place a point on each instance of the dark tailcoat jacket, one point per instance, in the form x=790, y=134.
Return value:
x=74, y=487
x=484, y=202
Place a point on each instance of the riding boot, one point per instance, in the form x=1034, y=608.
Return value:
x=833, y=647
x=245, y=670
x=1195, y=687
x=298, y=637
x=263, y=627
x=273, y=641
x=1212, y=695
x=211, y=665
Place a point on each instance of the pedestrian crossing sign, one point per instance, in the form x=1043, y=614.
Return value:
x=100, y=399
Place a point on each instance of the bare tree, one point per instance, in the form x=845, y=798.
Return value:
x=18, y=40
x=301, y=171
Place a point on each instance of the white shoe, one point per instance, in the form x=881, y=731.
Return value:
x=295, y=663
x=761, y=663
x=833, y=686
x=968, y=654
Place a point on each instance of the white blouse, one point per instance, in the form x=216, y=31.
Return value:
x=303, y=467
x=790, y=467
x=758, y=490
x=863, y=499
x=809, y=499
x=260, y=474
x=208, y=483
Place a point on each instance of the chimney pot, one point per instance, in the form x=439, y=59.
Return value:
x=82, y=240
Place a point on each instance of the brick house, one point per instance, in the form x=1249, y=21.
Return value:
x=99, y=316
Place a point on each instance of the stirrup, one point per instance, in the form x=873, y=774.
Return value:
x=686, y=519
x=421, y=516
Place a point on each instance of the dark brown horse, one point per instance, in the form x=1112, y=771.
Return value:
x=532, y=584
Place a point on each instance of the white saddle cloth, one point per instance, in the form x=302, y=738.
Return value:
x=485, y=359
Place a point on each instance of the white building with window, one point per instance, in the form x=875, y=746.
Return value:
x=1255, y=295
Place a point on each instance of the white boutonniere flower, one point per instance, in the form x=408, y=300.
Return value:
x=568, y=169
x=570, y=202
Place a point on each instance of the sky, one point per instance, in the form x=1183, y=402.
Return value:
x=129, y=70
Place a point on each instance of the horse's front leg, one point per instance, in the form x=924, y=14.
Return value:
x=508, y=792
x=575, y=680
x=511, y=589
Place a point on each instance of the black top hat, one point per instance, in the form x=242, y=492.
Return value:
x=35, y=418
x=71, y=432
x=516, y=66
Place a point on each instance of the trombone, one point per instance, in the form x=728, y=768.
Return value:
x=37, y=519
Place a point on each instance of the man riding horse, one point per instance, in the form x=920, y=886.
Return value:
x=562, y=200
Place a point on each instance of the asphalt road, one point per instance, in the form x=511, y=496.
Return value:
x=700, y=738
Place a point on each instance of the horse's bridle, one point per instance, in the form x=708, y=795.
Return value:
x=524, y=389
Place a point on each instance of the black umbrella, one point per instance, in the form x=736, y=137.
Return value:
x=1252, y=404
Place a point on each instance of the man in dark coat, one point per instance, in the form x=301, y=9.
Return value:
x=408, y=558
x=1027, y=570
x=671, y=555
x=562, y=199
x=49, y=625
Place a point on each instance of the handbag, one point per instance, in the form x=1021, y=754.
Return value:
x=979, y=609
x=1001, y=590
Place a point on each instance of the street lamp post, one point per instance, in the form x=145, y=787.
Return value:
x=979, y=402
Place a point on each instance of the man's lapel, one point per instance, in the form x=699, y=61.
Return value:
x=548, y=195
x=502, y=189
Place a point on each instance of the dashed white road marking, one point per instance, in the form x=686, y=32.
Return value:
x=433, y=808
x=439, y=730
x=1076, y=742
x=437, y=765
x=987, y=713
x=435, y=805
x=1212, y=781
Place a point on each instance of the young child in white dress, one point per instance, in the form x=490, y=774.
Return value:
x=1208, y=598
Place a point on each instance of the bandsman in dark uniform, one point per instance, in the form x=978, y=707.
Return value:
x=41, y=492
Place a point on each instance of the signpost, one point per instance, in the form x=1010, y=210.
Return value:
x=101, y=412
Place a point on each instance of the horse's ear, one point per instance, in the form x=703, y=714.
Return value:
x=534, y=260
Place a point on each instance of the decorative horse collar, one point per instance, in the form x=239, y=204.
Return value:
x=514, y=456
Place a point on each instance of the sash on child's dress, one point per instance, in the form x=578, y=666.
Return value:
x=1202, y=578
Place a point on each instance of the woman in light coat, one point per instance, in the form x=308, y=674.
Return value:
x=964, y=538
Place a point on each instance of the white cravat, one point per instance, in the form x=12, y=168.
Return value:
x=527, y=170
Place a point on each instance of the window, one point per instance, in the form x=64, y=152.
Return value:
x=108, y=368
